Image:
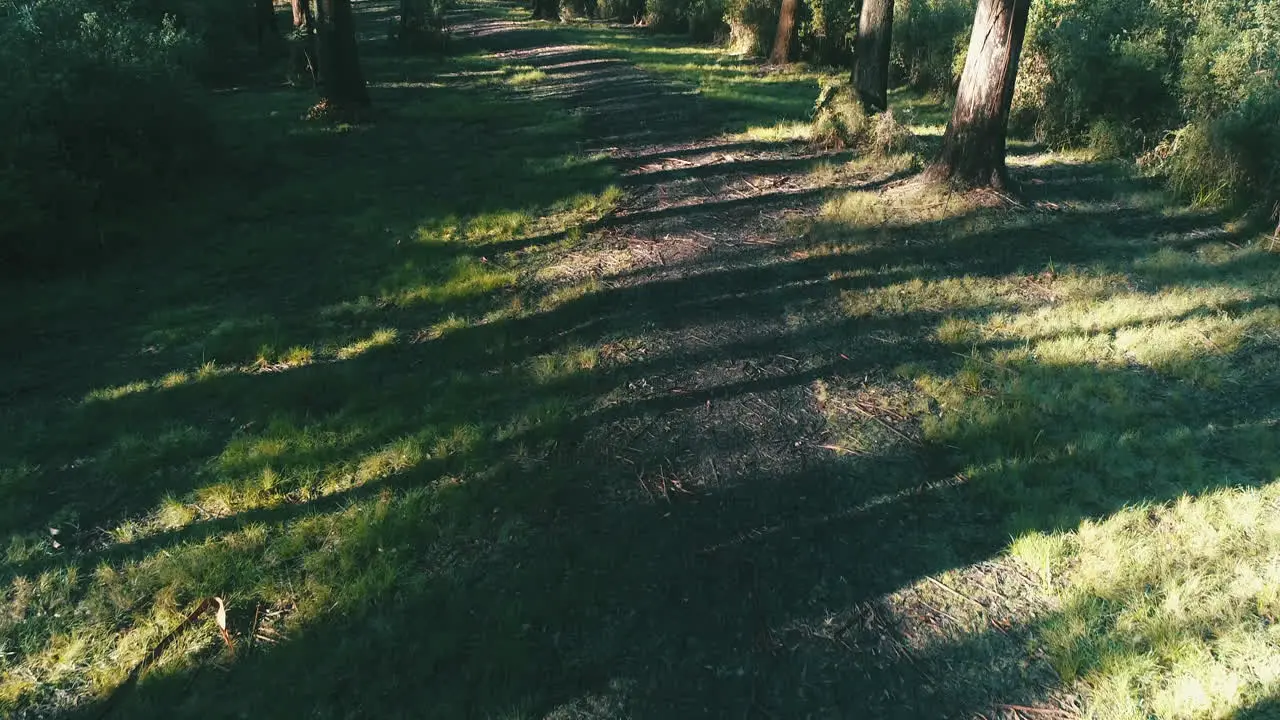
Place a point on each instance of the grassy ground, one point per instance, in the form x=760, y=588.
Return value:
x=575, y=386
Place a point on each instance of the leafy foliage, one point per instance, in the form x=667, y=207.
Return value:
x=1119, y=74
x=97, y=109
x=929, y=39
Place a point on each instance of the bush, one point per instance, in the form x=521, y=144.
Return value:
x=826, y=31
x=1117, y=74
x=840, y=122
x=1107, y=61
x=89, y=122
x=628, y=11
x=929, y=41
x=1229, y=160
x=702, y=20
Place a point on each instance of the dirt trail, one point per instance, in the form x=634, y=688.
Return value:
x=771, y=559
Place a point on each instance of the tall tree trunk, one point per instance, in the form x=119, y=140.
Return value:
x=973, y=147
x=411, y=19
x=268, y=32
x=303, y=61
x=546, y=9
x=786, y=28
x=871, y=54
x=343, y=87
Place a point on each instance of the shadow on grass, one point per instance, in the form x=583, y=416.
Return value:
x=617, y=503
x=668, y=554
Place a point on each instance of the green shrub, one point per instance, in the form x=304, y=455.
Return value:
x=95, y=113
x=665, y=15
x=1233, y=159
x=826, y=31
x=929, y=41
x=841, y=122
x=629, y=11
x=1117, y=75
x=1094, y=60
x=427, y=29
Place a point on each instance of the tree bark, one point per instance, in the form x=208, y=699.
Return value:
x=786, y=28
x=302, y=19
x=303, y=59
x=342, y=87
x=871, y=54
x=546, y=9
x=411, y=20
x=268, y=32
x=973, y=147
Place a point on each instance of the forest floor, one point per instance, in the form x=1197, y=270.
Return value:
x=579, y=384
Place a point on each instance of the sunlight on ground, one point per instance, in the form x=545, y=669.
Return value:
x=1077, y=389
x=781, y=132
x=370, y=434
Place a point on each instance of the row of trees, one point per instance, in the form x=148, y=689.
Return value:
x=325, y=49
x=1110, y=74
x=103, y=105
x=1189, y=88
x=973, y=148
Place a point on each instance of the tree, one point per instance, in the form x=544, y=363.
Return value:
x=413, y=19
x=786, y=28
x=342, y=87
x=973, y=147
x=546, y=9
x=871, y=54
x=303, y=60
x=268, y=32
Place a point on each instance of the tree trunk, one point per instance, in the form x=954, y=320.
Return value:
x=411, y=20
x=303, y=61
x=786, y=28
x=546, y=9
x=974, y=145
x=342, y=87
x=268, y=32
x=871, y=54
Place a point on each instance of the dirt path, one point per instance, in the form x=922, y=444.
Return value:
x=764, y=574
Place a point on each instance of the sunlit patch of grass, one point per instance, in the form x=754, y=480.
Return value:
x=583, y=208
x=271, y=359
x=381, y=337
x=466, y=277
x=1170, y=609
x=452, y=323
x=567, y=293
x=178, y=378
x=1075, y=392
x=551, y=367
x=476, y=230
x=117, y=392
x=520, y=76
x=905, y=205
x=791, y=131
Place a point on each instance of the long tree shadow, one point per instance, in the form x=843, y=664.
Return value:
x=671, y=555
x=626, y=503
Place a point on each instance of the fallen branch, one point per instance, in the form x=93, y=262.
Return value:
x=1033, y=710
x=209, y=603
x=838, y=448
x=886, y=425
x=957, y=593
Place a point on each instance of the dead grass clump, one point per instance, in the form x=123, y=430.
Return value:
x=840, y=121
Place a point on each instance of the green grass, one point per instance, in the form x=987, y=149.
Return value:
x=449, y=446
x=1118, y=420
